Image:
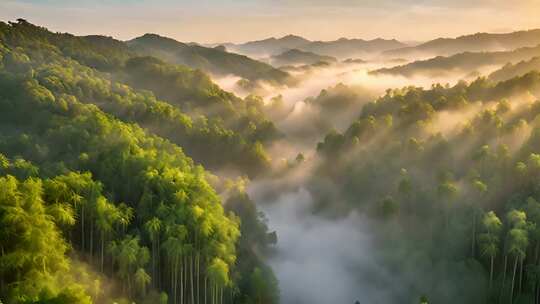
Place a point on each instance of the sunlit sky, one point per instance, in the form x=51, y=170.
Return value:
x=243, y=20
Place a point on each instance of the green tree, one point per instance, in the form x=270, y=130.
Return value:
x=447, y=192
x=480, y=190
x=518, y=242
x=153, y=228
x=106, y=216
x=142, y=279
x=489, y=240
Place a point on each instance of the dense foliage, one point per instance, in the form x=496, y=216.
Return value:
x=92, y=202
x=214, y=127
x=451, y=173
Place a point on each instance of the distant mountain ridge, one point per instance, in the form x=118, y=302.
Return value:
x=299, y=57
x=470, y=43
x=462, y=62
x=342, y=47
x=270, y=46
x=345, y=48
x=214, y=60
x=515, y=70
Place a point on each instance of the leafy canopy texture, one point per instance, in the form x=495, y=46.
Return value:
x=98, y=202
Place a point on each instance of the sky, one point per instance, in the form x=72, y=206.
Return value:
x=216, y=21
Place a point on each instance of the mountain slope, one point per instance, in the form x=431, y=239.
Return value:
x=213, y=60
x=470, y=43
x=298, y=57
x=268, y=47
x=437, y=169
x=461, y=63
x=92, y=184
x=346, y=48
x=180, y=104
x=514, y=70
x=341, y=48
x=95, y=185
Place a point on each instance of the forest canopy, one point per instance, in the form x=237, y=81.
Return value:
x=98, y=201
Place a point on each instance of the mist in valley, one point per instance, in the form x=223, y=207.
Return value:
x=303, y=122
x=349, y=251
x=327, y=257
x=293, y=170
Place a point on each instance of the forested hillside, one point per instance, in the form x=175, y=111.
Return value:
x=451, y=175
x=470, y=43
x=298, y=57
x=510, y=70
x=176, y=102
x=269, y=46
x=214, y=60
x=341, y=48
x=347, y=48
x=461, y=64
x=98, y=202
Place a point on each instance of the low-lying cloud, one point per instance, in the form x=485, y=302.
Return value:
x=317, y=259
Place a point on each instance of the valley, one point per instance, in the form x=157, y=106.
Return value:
x=277, y=170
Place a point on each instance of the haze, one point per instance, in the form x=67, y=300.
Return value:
x=242, y=20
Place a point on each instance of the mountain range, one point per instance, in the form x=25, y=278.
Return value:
x=470, y=43
x=341, y=48
x=298, y=57
x=466, y=62
x=214, y=60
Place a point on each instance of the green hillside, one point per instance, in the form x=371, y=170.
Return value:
x=461, y=63
x=510, y=70
x=98, y=201
x=213, y=60
x=450, y=176
x=470, y=43
x=175, y=102
x=298, y=57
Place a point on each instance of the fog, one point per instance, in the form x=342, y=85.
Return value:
x=318, y=259
x=314, y=79
x=306, y=123
x=343, y=258
x=323, y=259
